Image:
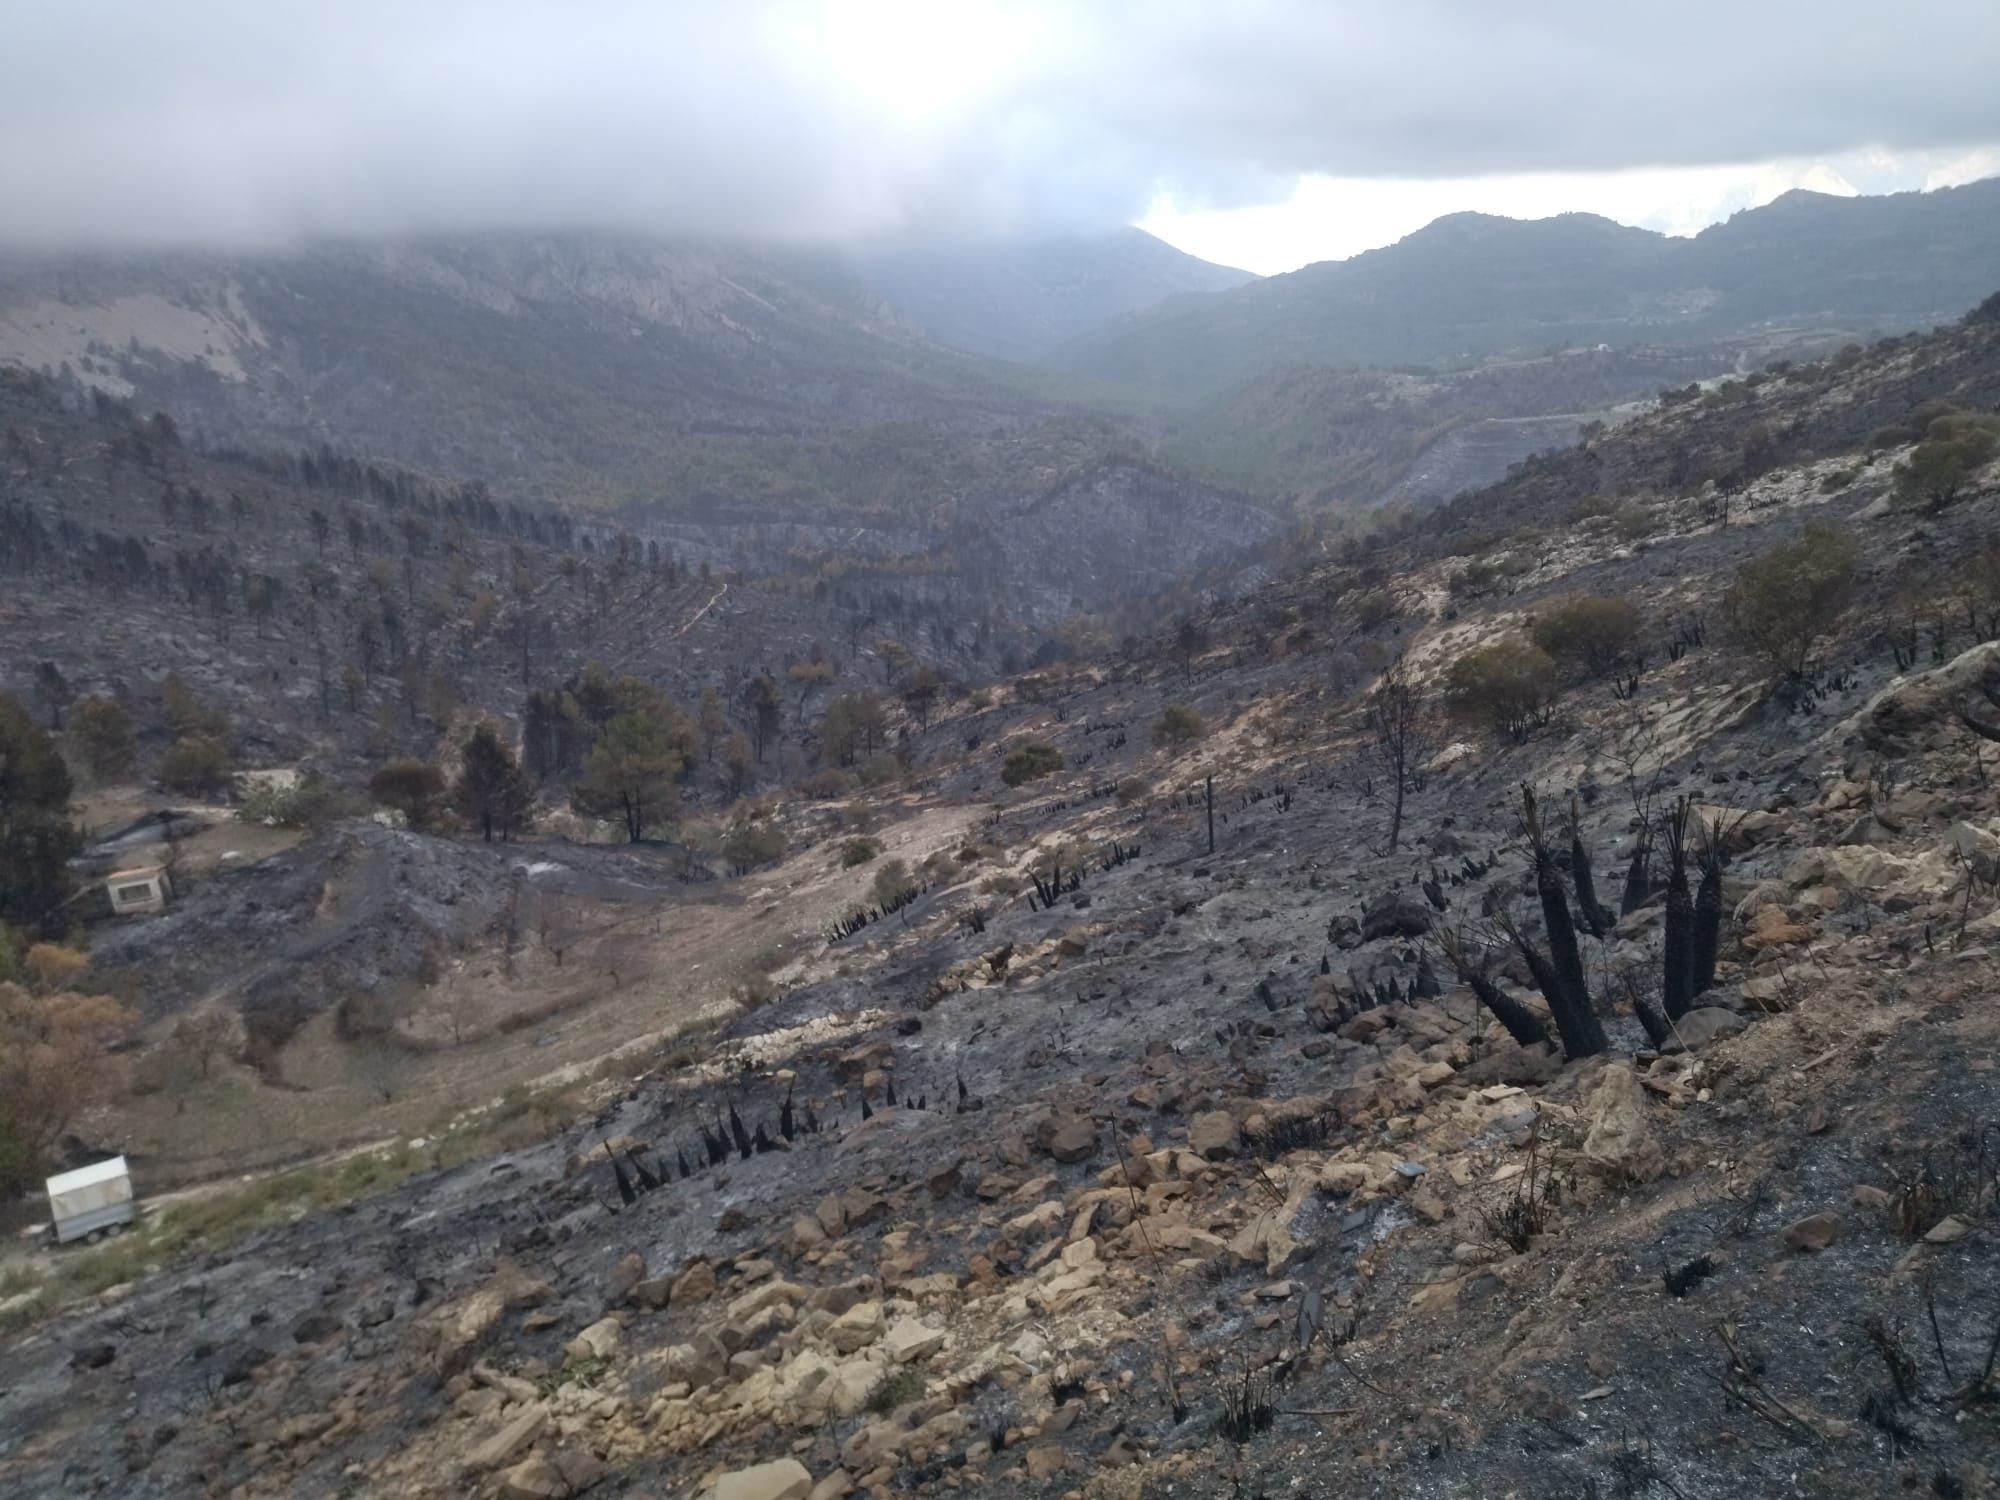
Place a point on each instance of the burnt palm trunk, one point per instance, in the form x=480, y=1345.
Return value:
x=1708, y=915
x=1677, y=978
x=1659, y=1031
x=1542, y=972
x=1638, y=875
x=1582, y=877
x=1521, y=1023
x=1569, y=997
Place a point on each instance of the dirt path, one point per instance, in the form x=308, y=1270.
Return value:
x=695, y=618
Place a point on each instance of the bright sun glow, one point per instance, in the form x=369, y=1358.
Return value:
x=911, y=62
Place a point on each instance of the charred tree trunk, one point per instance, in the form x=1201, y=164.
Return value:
x=1708, y=914
x=1584, y=880
x=1677, y=978
x=1539, y=968
x=1638, y=875
x=1567, y=994
x=1521, y=1023
x=1659, y=1031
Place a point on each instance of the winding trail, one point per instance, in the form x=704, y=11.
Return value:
x=695, y=618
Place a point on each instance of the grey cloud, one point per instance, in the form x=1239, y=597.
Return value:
x=223, y=120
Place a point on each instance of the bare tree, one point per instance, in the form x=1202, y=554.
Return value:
x=200, y=1037
x=558, y=924
x=371, y=1023
x=1402, y=737
x=1189, y=642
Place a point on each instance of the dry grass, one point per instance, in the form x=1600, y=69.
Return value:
x=635, y=982
x=225, y=844
x=208, y=1220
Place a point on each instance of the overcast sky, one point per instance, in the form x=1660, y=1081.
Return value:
x=1261, y=132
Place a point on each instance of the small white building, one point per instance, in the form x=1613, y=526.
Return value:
x=91, y=1201
x=139, y=892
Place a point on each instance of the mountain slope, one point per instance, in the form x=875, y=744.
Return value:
x=1217, y=1173
x=1337, y=438
x=1471, y=285
x=1860, y=401
x=1020, y=299
x=578, y=366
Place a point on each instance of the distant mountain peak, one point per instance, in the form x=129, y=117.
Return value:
x=1471, y=286
x=1471, y=222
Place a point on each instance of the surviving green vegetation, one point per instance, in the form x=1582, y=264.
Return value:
x=1590, y=634
x=1030, y=760
x=1782, y=603
x=1509, y=686
x=1956, y=445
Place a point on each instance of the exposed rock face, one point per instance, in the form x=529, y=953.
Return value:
x=1920, y=711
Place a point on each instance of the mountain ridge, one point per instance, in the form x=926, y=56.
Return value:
x=600, y=369
x=1899, y=260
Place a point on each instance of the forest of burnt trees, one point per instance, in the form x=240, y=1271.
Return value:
x=341, y=605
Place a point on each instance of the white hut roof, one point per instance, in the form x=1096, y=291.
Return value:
x=82, y=1177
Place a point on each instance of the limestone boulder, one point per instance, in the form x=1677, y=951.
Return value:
x=1621, y=1143
x=909, y=1340
x=507, y=1444
x=1214, y=1136
x=599, y=1341
x=1073, y=1141
x=858, y=1327
x=449, y=1337
x=782, y=1479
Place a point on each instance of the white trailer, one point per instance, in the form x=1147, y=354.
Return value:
x=92, y=1201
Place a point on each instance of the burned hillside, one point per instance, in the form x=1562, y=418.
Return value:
x=1136, y=1115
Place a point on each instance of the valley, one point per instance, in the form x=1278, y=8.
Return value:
x=987, y=1108
x=764, y=868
